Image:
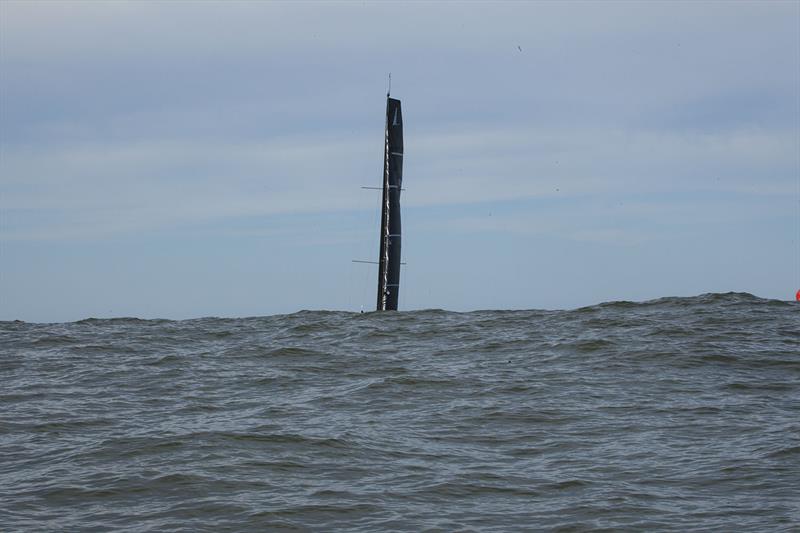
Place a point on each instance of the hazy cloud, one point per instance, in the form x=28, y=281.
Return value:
x=615, y=123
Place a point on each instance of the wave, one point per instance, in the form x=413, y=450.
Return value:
x=726, y=298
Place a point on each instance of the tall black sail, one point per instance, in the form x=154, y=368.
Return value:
x=389, y=259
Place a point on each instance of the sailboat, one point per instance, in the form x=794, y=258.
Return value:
x=390, y=238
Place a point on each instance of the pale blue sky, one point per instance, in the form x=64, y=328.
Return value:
x=180, y=159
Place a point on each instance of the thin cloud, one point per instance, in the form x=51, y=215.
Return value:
x=101, y=189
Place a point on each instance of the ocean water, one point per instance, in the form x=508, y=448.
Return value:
x=671, y=415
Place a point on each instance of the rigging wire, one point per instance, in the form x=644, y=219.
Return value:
x=369, y=273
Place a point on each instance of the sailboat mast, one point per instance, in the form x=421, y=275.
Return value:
x=390, y=238
x=382, y=256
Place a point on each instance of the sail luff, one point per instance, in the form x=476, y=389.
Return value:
x=383, y=257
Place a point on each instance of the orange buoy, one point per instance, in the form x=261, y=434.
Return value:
x=797, y=295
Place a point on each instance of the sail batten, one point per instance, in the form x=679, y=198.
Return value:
x=390, y=237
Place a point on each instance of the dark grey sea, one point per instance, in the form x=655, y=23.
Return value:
x=676, y=414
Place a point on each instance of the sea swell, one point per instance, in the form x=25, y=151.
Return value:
x=671, y=414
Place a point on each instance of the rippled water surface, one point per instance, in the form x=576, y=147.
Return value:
x=675, y=414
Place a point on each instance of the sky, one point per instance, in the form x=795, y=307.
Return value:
x=190, y=159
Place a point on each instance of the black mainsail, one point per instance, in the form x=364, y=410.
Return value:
x=389, y=258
